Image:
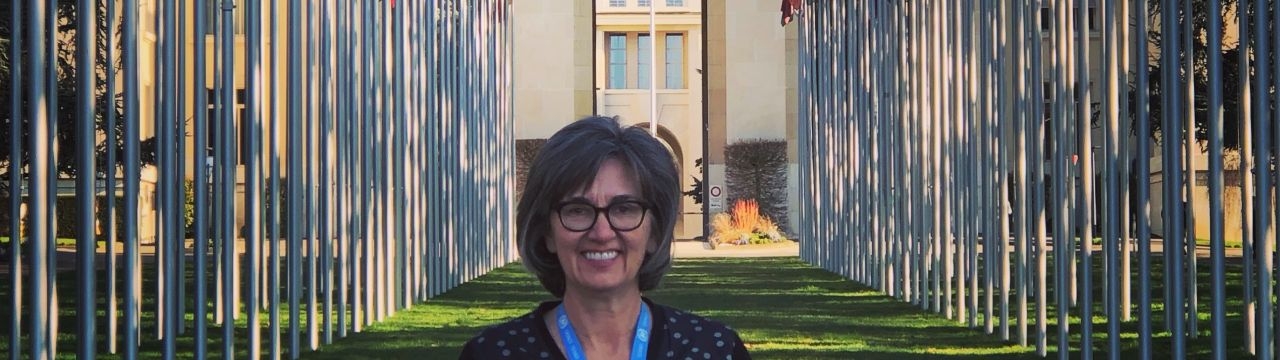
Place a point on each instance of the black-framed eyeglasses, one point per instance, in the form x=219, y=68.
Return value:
x=622, y=216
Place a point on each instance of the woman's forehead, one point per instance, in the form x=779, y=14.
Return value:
x=613, y=179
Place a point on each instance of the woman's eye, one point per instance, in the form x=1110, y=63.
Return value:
x=626, y=209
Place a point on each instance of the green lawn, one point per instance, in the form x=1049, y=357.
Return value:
x=1230, y=244
x=4, y=242
x=783, y=308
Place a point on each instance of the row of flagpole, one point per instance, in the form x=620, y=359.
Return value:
x=397, y=131
x=922, y=138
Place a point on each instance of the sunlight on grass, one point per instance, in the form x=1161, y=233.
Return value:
x=783, y=309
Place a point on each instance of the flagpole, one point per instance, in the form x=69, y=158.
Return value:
x=653, y=65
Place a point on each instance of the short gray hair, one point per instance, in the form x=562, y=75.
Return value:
x=568, y=162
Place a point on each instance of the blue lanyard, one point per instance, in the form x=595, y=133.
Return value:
x=639, y=345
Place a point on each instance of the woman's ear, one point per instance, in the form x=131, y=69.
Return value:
x=652, y=247
x=551, y=244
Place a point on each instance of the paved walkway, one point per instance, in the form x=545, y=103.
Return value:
x=696, y=249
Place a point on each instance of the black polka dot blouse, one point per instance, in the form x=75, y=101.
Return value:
x=676, y=335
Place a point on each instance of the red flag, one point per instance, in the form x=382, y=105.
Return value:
x=789, y=9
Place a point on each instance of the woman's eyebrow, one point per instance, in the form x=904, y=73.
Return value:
x=615, y=199
x=622, y=198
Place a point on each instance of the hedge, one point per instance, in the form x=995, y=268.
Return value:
x=757, y=169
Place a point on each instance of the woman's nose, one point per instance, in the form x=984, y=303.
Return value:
x=602, y=229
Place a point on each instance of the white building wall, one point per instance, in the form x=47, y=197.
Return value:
x=757, y=87
x=755, y=71
x=546, y=65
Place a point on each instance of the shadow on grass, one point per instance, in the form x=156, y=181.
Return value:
x=782, y=307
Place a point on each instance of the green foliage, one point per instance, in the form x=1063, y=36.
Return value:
x=65, y=91
x=1199, y=52
x=695, y=192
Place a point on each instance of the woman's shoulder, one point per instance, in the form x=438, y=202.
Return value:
x=522, y=337
x=677, y=319
x=688, y=334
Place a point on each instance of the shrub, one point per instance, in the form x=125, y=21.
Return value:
x=744, y=225
x=526, y=151
x=757, y=169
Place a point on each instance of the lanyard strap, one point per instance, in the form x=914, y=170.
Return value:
x=639, y=345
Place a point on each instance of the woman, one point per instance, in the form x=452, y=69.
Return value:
x=595, y=225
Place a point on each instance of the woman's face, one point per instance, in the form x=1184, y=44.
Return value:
x=601, y=259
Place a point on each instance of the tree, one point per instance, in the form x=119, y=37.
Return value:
x=695, y=191
x=66, y=92
x=1231, y=79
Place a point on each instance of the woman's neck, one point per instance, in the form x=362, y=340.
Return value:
x=604, y=323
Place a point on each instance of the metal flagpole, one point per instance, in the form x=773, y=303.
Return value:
x=341, y=118
x=1173, y=239
x=937, y=36
x=379, y=149
x=1040, y=199
x=1125, y=176
x=1017, y=38
x=973, y=135
x=1143, y=178
x=230, y=252
x=1061, y=177
x=293, y=144
x=1112, y=216
x=132, y=279
x=1246, y=166
x=356, y=231
x=959, y=171
x=1003, y=72
x=199, y=157
x=168, y=240
x=16, y=111
x=51, y=178
x=1270, y=240
x=326, y=164
x=1189, y=174
x=1217, y=247
x=961, y=192
x=86, y=51
x=1084, y=121
x=989, y=142
x=40, y=119
x=398, y=142
x=179, y=167
x=273, y=190
x=309, y=181
x=253, y=171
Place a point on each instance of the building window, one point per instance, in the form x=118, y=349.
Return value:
x=644, y=3
x=240, y=146
x=674, y=64
x=617, y=61
x=635, y=61
x=675, y=2
x=645, y=70
x=1046, y=19
x=617, y=3
x=1093, y=19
